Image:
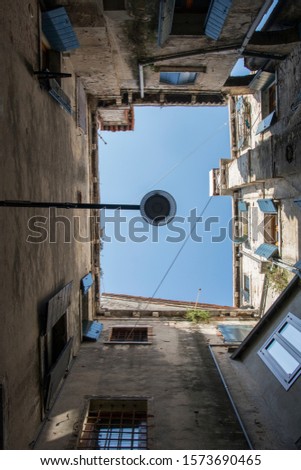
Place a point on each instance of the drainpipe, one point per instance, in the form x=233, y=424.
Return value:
x=230, y=397
x=141, y=80
x=255, y=23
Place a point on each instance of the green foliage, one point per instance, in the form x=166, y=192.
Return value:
x=197, y=316
x=278, y=278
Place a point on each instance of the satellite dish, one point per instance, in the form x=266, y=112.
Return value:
x=158, y=207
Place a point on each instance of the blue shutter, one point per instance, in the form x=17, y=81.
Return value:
x=234, y=333
x=267, y=206
x=265, y=123
x=86, y=283
x=58, y=30
x=91, y=330
x=216, y=17
x=177, y=78
x=242, y=206
x=166, y=12
x=266, y=251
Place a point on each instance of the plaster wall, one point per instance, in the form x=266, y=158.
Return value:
x=188, y=407
x=43, y=157
x=283, y=405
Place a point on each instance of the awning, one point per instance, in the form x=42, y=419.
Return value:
x=166, y=12
x=86, y=282
x=267, y=206
x=266, y=251
x=216, y=17
x=58, y=30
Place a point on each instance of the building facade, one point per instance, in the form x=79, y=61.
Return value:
x=154, y=368
x=263, y=171
x=48, y=265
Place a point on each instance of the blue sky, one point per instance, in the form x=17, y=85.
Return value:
x=172, y=149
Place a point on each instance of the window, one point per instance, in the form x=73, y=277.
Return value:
x=243, y=123
x=130, y=334
x=270, y=210
x=113, y=5
x=282, y=351
x=189, y=17
x=271, y=229
x=115, y=424
x=246, y=288
x=268, y=108
x=243, y=219
x=177, y=78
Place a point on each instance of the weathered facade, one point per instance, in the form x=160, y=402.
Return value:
x=263, y=172
x=48, y=153
x=156, y=363
x=163, y=52
x=271, y=358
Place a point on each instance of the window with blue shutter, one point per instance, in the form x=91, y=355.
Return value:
x=91, y=330
x=265, y=250
x=177, y=78
x=86, y=283
x=265, y=123
x=58, y=30
x=267, y=206
x=166, y=13
x=216, y=18
x=242, y=206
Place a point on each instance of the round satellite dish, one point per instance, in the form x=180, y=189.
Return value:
x=158, y=207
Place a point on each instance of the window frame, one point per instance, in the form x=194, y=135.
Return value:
x=111, y=340
x=105, y=415
x=286, y=379
x=246, y=290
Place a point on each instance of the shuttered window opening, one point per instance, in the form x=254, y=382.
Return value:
x=115, y=424
x=177, y=78
x=58, y=30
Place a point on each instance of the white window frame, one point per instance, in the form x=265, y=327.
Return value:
x=284, y=378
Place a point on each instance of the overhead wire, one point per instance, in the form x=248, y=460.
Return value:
x=198, y=219
x=209, y=137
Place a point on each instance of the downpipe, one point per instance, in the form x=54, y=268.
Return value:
x=230, y=398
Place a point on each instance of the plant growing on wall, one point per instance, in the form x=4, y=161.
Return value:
x=278, y=278
x=197, y=316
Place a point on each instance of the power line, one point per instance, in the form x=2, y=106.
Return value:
x=209, y=137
